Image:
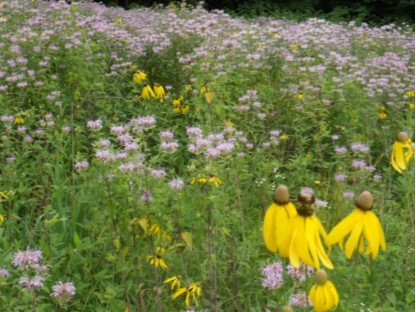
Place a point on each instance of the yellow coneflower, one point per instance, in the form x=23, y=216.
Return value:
x=216, y=181
x=119, y=21
x=363, y=225
x=192, y=292
x=184, y=109
x=323, y=294
x=139, y=76
x=410, y=93
x=284, y=137
x=303, y=241
x=175, y=281
x=276, y=219
x=157, y=259
x=147, y=92
x=19, y=121
x=209, y=97
x=382, y=115
x=159, y=92
x=402, y=152
x=299, y=96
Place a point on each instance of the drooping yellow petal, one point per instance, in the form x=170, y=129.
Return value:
x=285, y=242
x=290, y=210
x=371, y=233
x=301, y=243
x=179, y=292
x=283, y=215
x=319, y=299
x=352, y=242
x=310, y=230
x=333, y=291
x=343, y=227
x=269, y=228
x=293, y=255
x=377, y=225
x=397, y=157
x=323, y=257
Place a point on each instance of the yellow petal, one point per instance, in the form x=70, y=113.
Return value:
x=319, y=299
x=371, y=233
x=187, y=299
x=269, y=228
x=397, y=156
x=380, y=231
x=343, y=227
x=310, y=238
x=323, y=257
x=301, y=243
x=293, y=255
x=353, y=240
x=290, y=210
x=285, y=243
x=179, y=292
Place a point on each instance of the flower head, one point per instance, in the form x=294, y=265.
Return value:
x=323, y=294
x=276, y=219
x=402, y=152
x=302, y=241
x=273, y=275
x=139, y=76
x=363, y=226
x=147, y=92
x=63, y=291
x=191, y=292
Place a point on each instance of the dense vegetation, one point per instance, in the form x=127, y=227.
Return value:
x=118, y=195
x=374, y=12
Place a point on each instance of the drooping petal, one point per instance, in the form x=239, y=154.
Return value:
x=343, y=227
x=310, y=231
x=301, y=243
x=285, y=243
x=293, y=255
x=269, y=228
x=352, y=242
x=290, y=210
x=397, y=157
x=371, y=233
x=323, y=257
x=282, y=225
x=381, y=233
x=319, y=299
x=333, y=293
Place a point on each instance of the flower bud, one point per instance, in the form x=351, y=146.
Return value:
x=402, y=136
x=365, y=201
x=321, y=277
x=281, y=195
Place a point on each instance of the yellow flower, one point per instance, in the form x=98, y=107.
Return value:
x=1, y=219
x=215, y=180
x=188, y=88
x=157, y=259
x=147, y=92
x=410, y=93
x=159, y=92
x=302, y=241
x=402, y=152
x=317, y=182
x=177, y=101
x=174, y=280
x=293, y=46
x=184, y=109
x=276, y=219
x=119, y=21
x=411, y=105
x=299, y=96
x=363, y=225
x=382, y=115
x=209, y=97
x=192, y=292
x=139, y=76
x=19, y=121
x=204, y=90
x=284, y=137
x=323, y=294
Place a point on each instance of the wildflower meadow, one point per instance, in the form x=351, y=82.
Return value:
x=177, y=159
